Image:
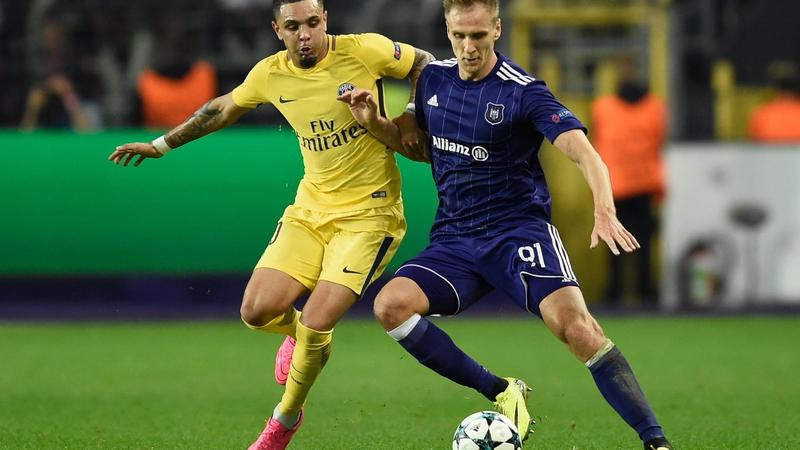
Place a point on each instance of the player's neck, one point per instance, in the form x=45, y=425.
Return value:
x=485, y=71
x=325, y=48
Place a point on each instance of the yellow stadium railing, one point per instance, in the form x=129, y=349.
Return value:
x=572, y=198
x=733, y=104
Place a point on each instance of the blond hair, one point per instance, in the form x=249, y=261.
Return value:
x=492, y=5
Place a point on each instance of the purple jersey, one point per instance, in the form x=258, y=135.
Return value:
x=484, y=141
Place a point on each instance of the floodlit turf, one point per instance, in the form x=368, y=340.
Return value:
x=716, y=383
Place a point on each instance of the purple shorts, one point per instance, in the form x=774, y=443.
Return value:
x=526, y=263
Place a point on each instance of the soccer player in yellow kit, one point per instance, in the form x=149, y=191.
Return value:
x=347, y=218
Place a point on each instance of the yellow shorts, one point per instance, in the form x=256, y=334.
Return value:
x=351, y=249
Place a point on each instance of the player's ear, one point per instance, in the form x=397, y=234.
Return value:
x=325, y=21
x=277, y=29
x=498, y=29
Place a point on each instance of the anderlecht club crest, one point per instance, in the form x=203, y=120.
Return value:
x=494, y=113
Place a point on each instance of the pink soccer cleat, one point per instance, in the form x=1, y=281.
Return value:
x=283, y=360
x=275, y=436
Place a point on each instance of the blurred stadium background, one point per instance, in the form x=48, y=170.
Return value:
x=85, y=242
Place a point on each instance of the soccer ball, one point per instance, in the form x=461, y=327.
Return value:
x=487, y=430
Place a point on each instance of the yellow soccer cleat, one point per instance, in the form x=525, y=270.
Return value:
x=658, y=444
x=512, y=404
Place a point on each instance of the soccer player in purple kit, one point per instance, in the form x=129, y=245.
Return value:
x=486, y=119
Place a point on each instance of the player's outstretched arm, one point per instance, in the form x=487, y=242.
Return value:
x=412, y=138
x=607, y=227
x=365, y=110
x=214, y=115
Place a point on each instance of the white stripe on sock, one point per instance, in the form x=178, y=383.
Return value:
x=405, y=328
x=287, y=421
x=605, y=348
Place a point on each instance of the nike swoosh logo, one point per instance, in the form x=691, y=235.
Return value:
x=284, y=373
x=346, y=270
x=286, y=100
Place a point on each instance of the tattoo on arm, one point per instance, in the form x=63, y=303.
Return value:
x=421, y=59
x=205, y=120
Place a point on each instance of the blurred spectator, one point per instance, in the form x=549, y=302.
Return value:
x=178, y=82
x=629, y=129
x=168, y=98
x=56, y=69
x=247, y=37
x=241, y=4
x=124, y=48
x=778, y=120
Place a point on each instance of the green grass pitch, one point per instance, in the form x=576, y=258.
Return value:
x=716, y=383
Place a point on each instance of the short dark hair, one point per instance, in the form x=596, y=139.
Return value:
x=276, y=6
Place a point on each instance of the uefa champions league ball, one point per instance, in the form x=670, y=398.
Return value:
x=487, y=430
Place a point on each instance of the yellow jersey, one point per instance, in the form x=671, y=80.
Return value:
x=346, y=168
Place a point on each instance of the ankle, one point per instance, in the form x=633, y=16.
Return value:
x=499, y=386
x=287, y=420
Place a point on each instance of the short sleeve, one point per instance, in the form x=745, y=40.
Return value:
x=383, y=57
x=252, y=92
x=542, y=110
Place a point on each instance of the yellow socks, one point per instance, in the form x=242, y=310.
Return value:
x=286, y=324
x=310, y=355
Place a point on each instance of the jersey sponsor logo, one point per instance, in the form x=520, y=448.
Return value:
x=561, y=115
x=398, y=52
x=286, y=100
x=345, y=87
x=325, y=138
x=494, y=113
x=477, y=153
x=379, y=194
x=480, y=153
x=434, y=101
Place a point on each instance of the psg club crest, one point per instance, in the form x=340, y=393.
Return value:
x=494, y=113
x=345, y=87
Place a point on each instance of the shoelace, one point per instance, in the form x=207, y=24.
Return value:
x=274, y=432
x=264, y=438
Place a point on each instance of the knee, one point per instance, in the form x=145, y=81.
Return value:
x=393, y=307
x=257, y=310
x=583, y=334
x=318, y=320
